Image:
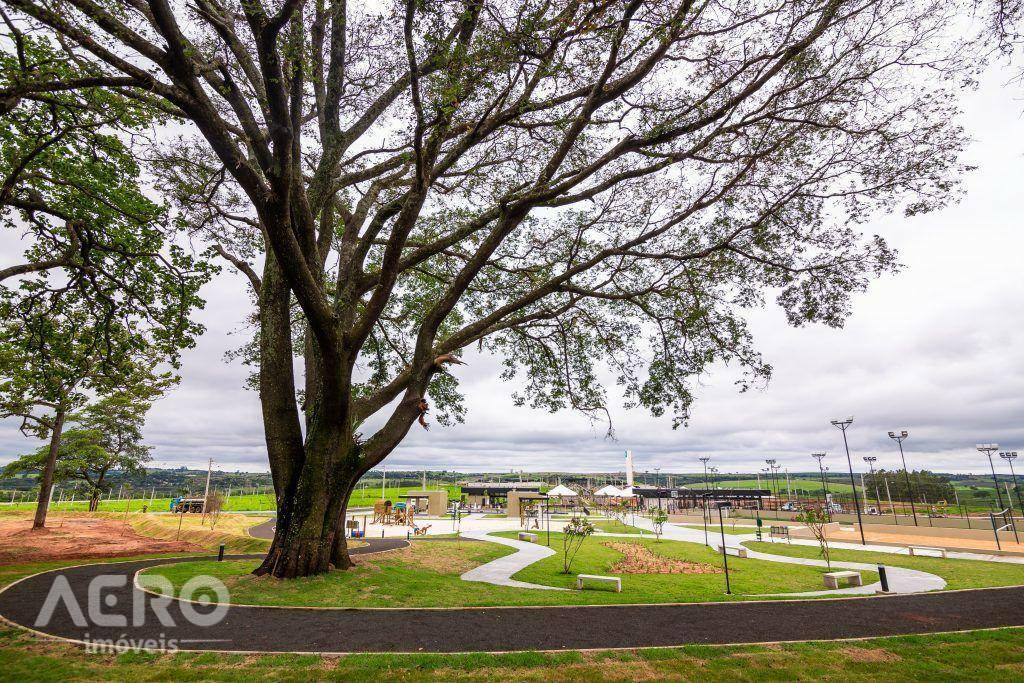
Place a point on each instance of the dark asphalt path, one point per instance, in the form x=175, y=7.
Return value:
x=264, y=629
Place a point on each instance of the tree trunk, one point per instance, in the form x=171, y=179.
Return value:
x=94, y=500
x=51, y=464
x=309, y=537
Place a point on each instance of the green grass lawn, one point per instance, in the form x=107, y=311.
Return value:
x=613, y=526
x=957, y=573
x=805, y=483
x=970, y=656
x=427, y=575
x=237, y=502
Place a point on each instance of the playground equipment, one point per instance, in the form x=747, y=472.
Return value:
x=384, y=512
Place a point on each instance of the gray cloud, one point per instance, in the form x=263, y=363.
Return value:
x=936, y=349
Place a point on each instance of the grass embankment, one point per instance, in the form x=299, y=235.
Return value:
x=957, y=573
x=427, y=575
x=231, y=530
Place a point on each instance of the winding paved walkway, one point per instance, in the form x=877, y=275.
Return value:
x=133, y=617
x=500, y=571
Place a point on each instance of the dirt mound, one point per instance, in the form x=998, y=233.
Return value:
x=77, y=538
x=640, y=560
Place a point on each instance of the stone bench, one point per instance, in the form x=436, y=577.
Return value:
x=593, y=577
x=525, y=536
x=738, y=552
x=832, y=579
x=916, y=550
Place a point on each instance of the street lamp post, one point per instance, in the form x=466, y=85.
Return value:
x=824, y=486
x=843, y=425
x=657, y=484
x=898, y=437
x=870, y=460
x=988, y=449
x=1009, y=458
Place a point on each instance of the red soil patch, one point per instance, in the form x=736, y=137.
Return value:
x=77, y=538
x=640, y=560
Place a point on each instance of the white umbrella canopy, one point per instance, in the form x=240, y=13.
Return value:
x=561, y=491
x=609, y=491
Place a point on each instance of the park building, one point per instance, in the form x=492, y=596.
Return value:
x=680, y=499
x=481, y=495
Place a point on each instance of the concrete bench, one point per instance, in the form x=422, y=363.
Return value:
x=525, y=536
x=738, y=552
x=916, y=550
x=832, y=579
x=593, y=577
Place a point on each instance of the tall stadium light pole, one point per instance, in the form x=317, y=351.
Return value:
x=771, y=473
x=988, y=449
x=824, y=486
x=898, y=437
x=704, y=460
x=870, y=460
x=843, y=425
x=1009, y=458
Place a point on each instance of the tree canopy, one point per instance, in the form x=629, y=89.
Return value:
x=106, y=437
x=569, y=184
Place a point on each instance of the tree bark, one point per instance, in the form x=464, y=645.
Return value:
x=51, y=464
x=309, y=538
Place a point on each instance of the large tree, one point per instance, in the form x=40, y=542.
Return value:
x=568, y=183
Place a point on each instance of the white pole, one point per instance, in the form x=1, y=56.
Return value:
x=206, y=496
x=789, y=491
x=862, y=488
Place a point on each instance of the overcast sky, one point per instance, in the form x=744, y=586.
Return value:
x=937, y=349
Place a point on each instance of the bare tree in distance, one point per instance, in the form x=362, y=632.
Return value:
x=570, y=185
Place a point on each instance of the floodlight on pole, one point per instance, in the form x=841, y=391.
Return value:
x=824, y=486
x=1009, y=457
x=771, y=472
x=704, y=460
x=870, y=460
x=843, y=425
x=988, y=449
x=898, y=437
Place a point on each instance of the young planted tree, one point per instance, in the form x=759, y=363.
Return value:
x=817, y=521
x=106, y=437
x=567, y=184
x=658, y=519
x=573, y=535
